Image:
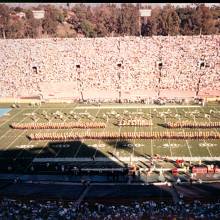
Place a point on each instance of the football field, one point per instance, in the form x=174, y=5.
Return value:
x=15, y=145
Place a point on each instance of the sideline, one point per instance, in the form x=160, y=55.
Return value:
x=113, y=159
x=138, y=106
x=10, y=118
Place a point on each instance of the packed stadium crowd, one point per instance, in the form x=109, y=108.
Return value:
x=99, y=68
x=15, y=209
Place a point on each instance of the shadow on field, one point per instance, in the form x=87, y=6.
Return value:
x=50, y=158
x=162, y=125
x=56, y=165
x=124, y=145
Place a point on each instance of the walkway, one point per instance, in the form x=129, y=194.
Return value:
x=82, y=196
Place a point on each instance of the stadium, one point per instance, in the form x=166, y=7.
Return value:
x=129, y=121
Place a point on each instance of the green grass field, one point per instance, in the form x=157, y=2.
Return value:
x=11, y=140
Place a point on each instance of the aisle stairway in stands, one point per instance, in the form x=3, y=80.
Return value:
x=82, y=196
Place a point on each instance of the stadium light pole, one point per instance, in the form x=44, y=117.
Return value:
x=119, y=72
x=145, y=13
x=199, y=80
x=119, y=82
x=79, y=82
x=139, y=7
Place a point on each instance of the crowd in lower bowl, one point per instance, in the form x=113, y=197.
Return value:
x=15, y=209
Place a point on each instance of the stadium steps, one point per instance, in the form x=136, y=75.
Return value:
x=175, y=195
x=82, y=196
x=5, y=184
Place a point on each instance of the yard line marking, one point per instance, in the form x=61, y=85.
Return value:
x=137, y=106
x=6, y=134
x=9, y=130
x=97, y=112
x=120, y=127
x=204, y=140
x=208, y=149
x=46, y=142
x=75, y=155
x=56, y=130
x=22, y=150
x=65, y=119
x=11, y=117
x=218, y=111
x=165, y=120
x=58, y=152
x=135, y=130
x=121, y=107
x=17, y=137
x=35, y=157
x=115, y=147
x=94, y=155
x=74, y=111
x=6, y=148
x=187, y=143
x=151, y=129
x=29, y=143
x=189, y=148
x=14, y=140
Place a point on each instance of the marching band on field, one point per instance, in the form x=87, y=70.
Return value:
x=130, y=122
x=134, y=122
x=188, y=124
x=126, y=135
x=62, y=125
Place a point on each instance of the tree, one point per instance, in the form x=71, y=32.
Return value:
x=203, y=20
x=215, y=10
x=147, y=27
x=15, y=29
x=53, y=17
x=32, y=25
x=82, y=20
x=128, y=20
x=82, y=12
x=4, y=19
x=186, y=20
x=168, y=21
x=75, y=22
x=101, y=21
x=110, y=20
x=105, y=20
x=87, y=28
x=18, y=9
x=49, y=25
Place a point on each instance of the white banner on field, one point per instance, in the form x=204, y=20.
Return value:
x=145, y=12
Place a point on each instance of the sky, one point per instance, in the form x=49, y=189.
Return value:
x=26, y=5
